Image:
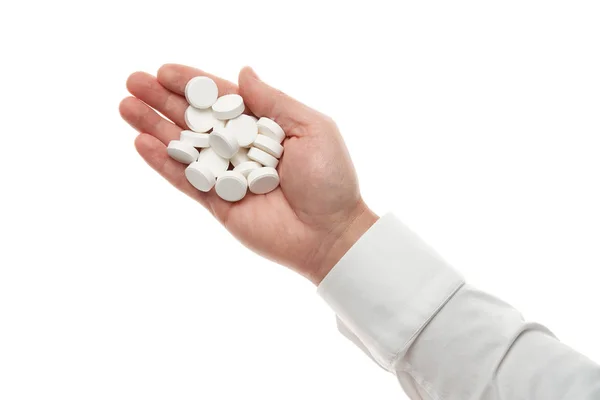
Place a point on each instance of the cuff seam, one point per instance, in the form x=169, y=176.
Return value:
x=404, y=349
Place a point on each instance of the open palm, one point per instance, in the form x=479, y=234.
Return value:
x=303, y=223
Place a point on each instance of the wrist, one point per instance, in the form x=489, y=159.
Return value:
x=347, y=235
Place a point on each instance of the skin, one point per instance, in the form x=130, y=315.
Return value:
x=317, y=213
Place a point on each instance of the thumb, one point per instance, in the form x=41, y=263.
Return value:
x=266, y=101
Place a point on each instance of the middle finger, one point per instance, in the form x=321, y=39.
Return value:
x=146, y=88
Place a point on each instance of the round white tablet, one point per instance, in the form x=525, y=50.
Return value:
x=228, y=106
x=270, y=128
x=223, y=141
x=201, y=92
x=200, y=176
x=231, y=186
x=266, y=144
x=194, y=138
x=215, y=162
x=262, y=157
x=263, y=180
x=239, y=157
x=246, y=167
x=181, y=151
x=245, y=129
x=199, y=120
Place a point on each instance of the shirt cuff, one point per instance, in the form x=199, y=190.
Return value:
x=387, y=288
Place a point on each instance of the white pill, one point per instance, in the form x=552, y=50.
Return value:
x=228, y=106
x=245, y=129
x=270, y=128
x=223, y=141
x=246, y=167
x=215, y=162
x=181, y=151
x=239, y=157
x=263, y=180
x=231, y=186
x=199, y=120
x=200, y=176
x=262, y=157
x=201, y=92
x=265, y=143
x=194, y=138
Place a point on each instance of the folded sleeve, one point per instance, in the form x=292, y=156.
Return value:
x=413, y=314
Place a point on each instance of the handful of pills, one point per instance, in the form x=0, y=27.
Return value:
x=220, y=135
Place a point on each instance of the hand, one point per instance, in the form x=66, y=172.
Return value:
x=316, y=214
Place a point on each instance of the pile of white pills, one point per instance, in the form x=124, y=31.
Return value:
x=220, y=135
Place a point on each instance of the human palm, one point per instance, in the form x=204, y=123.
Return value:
x=309, y=221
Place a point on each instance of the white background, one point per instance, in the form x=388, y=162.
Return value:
x=477, y=123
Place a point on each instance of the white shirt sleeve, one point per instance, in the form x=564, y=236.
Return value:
x=413, y=314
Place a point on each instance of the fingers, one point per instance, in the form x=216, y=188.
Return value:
x=154, y=152
x=144, y=119
x=146, y=88
x=174, y=77
x=266, y=101
x=166, y=94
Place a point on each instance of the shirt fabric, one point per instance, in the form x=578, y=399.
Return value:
x=414, y=315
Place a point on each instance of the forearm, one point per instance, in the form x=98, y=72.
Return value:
x=478, y=347
x=411, y=312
